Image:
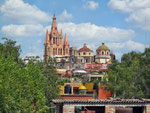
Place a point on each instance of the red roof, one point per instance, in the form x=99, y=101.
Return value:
x=84, y=48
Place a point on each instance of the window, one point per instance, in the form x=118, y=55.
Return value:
x=86, y=60
x=79, y=53
x=102, y=52
x=84, y=53
x=89, y=53
x=53, y=40
x=81, y=60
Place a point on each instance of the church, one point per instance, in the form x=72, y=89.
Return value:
x=54, y=44
x=69, y=57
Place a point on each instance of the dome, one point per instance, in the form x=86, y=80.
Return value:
x=85, y=49
x=103, y=47
x=82, y=87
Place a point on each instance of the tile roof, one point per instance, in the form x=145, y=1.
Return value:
x=85, y=49
x=107, y=101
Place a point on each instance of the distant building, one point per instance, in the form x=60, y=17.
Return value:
x=31, y=58
x=103, y=54
x=68, y=57
x=54, y=45
x=85, y=55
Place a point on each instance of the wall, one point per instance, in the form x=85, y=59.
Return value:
x=102, y=93
x=68, y=109
x=110, y=109
x=147, y=109
x=76, y=97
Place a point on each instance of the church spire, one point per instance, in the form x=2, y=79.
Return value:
x=65, y=41
x=54, y=30
x=47, y=37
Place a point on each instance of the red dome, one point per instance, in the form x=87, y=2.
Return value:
x=85, y=49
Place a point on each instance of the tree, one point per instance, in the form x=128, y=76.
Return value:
x=25, y=87
x=9, y=48
x=130, y=78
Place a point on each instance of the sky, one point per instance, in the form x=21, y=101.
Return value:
x=124, y=25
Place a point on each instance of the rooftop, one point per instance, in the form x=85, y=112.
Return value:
x=85, y=49
x=128, y=102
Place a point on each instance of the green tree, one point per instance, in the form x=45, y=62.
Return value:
x=9, y=48
x=21, y=89
x=130, y=78
x=25, y=88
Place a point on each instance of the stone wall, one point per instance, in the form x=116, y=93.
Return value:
x=110, y=109
x=68, y=109
x=147, y=109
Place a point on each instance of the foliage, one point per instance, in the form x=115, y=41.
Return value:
x=21, y=89
x=25, y=87
x=130, y=78
x=50, y=80
x=9, y=48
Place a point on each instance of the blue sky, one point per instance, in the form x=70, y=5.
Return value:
x=124, y=25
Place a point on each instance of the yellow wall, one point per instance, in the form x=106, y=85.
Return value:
x=89, y=87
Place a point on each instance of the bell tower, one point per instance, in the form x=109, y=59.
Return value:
x=54, y=46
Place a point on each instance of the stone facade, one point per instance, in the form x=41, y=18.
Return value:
x=104, y=106
x=147, y=109
x=54, y=45
x=68, y=109
x=110, y=109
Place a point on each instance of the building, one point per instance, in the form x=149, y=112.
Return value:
x=102, y=106
x=34, y=59
x=69, y=57
x=85, y=55
x=54, y=46
x=83, y=91
x=103, y=54
x=79, y=57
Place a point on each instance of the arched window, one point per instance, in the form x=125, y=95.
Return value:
x=53, y=40
x=102, y=52
x=86, y=60
x=107, y=53
x=84, y=53
x=56, y=51
x=60, y=51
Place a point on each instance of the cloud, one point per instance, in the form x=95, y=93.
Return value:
x=128, y=45
x=28, y=30
x=138, y=11
x=17, y=11
x=20, y=12
x=65, y=16
x=88, y=31
x=91, y=5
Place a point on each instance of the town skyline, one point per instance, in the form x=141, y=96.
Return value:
x=85, y=21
